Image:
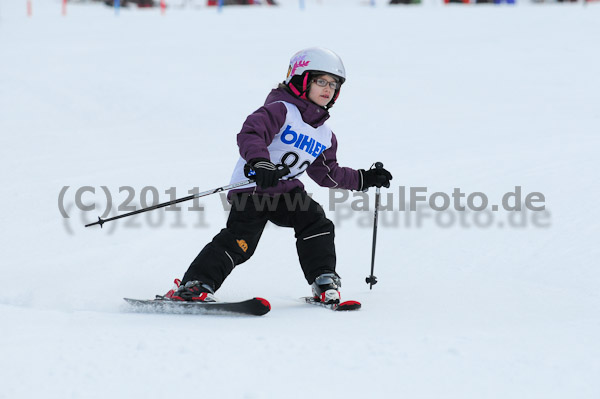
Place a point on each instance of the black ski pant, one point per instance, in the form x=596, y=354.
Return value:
x=249, y=214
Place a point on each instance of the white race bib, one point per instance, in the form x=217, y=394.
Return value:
x=297, y=145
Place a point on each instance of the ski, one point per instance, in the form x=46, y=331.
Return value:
x=250, y=307
x=343, y=306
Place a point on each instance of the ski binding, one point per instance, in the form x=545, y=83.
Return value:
x=343, y=306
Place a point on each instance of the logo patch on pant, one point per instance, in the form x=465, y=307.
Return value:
x=242, y=245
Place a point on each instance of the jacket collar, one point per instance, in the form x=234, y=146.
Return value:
x=311, y=113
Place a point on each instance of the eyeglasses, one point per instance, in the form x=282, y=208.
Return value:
x=323, y=83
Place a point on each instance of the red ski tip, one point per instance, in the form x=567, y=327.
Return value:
x=348, y=305
x=264, y=302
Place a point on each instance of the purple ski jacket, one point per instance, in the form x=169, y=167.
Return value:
x=262, y=125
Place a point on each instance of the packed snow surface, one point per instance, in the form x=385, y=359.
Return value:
x=469, y=304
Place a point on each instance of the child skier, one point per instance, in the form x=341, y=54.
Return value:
x=279, y=142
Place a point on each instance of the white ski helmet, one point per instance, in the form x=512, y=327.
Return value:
x=313, y=61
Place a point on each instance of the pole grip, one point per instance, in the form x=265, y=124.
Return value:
x=282, y=170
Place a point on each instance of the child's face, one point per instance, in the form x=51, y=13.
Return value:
x=321, y=95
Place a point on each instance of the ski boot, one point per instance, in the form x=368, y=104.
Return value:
x=192, y=291
x=326, y=288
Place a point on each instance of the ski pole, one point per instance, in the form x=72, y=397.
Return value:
x=173, y=202
x=371, y=279
x=284, y=170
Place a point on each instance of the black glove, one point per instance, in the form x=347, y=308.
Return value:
x=264, y=172
x=375, y=177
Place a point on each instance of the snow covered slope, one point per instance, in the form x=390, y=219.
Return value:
x=469, y=305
